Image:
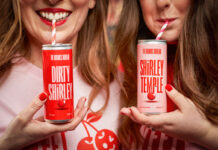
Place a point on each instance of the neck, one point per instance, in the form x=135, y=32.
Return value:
x=171, y=52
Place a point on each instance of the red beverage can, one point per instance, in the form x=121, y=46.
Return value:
x=58, y=82
x=151, y=76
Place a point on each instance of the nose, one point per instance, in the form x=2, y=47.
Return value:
x=53, y=2
x=163, y=3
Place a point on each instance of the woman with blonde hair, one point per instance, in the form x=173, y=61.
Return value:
x=24, y=27
x=192, y=40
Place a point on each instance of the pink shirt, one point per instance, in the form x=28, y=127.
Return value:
x=95, y=132
x=25, y=82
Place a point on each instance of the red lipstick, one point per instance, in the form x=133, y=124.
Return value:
x=170, y=20
x=58, y=23
x=48, y=21
x=54, y=10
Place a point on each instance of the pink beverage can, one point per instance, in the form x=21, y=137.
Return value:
x=58, y=82
x=151, y=76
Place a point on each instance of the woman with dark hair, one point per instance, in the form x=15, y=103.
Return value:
x=192, y=40
x=25, y=26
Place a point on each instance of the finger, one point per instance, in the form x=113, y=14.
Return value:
x=127, y=112
x=80, y=105
x=73, y=124
x=79, y=115
x=139, y=117
x=40, y=118
x=156, y=121
x=179, y=99
x=27, y=114
x=78, y=118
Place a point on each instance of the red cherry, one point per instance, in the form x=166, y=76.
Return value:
x=86, y=143
x=151, y=96
x=61, y=103
x=106, y=139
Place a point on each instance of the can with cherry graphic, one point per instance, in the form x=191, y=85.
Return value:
x=58, y=82
x=151, y=76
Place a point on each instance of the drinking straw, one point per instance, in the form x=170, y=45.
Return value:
x=162, y=30
x=53, y=32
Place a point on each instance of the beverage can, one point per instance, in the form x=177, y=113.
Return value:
x=151, y=76
x=58, y=82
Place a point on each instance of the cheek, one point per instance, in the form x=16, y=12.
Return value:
x=149, y=21
x=26, y=5
x=148, y=10
x=182, y=6
x=80, y=3
x=27, y=2
x=26, y=15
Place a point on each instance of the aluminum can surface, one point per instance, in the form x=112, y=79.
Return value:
x=151, y=76
x=58, y=82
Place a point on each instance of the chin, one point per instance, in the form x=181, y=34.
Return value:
x=48, y=41
x=45, y=42
x=169, y=39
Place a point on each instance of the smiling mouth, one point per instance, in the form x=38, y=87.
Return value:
x=49, y=14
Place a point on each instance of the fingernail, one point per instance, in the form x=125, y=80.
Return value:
x=131, y=110
x=122, y=113
x=85, y=102
x=168, y=87
x=43, y=96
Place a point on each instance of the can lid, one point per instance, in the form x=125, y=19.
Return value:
x=56, y=46
x=152, y=41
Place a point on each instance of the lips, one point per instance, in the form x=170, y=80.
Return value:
x=49, y=14
x=170, y=20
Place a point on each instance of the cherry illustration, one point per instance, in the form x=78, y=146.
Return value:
x=86, y=143
x=151, y=96
x=103, y=139
x=106, y=140
x=61, y=103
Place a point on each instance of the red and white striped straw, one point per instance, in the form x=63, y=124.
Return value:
x=53, y=34
x=162, y=30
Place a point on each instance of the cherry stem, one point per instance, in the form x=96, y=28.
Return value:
x=86, y=128
x=91, y=125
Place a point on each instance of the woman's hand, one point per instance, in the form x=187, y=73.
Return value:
x=187, y=122
x=23, y=130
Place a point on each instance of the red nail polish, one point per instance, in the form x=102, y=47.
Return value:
x=122, y=113
x=43, y=96
x=131, y=110
x=168, y=87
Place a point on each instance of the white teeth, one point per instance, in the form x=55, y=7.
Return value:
x=56, y=16
x=50, y=17
x=46, y=15
x=61, y=15
x=64, y=14
x=43, y=14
